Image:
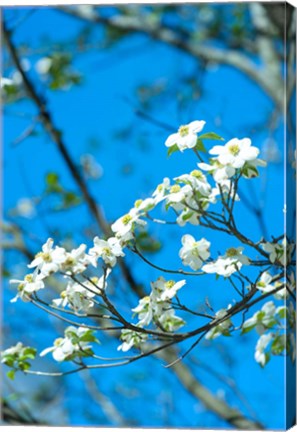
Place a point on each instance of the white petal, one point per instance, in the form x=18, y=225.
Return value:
x=172, y=139
x=196, y=126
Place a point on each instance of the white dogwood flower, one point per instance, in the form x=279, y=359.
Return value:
x=227, y=264
x=145, y=311
x=169, y=321
x=163, y=290
x=161, y=190
x=76, y=260
x=109, y=250
x=219, y=172
x=279, y=252
x=264, y=284
x=78, y=296
x=131, y=338
x=72, y=345
x=32, y=282
x=261, y=356
x=186, y=137
x=143, y=206
x=222, y=328
x=125, y=225
x=50, y=259
x=194, y=253
x=262, y=319
x=235, y=152
x=197, y=180
x=16, y=349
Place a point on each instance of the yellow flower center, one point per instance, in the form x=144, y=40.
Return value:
x=126, y=219
x=197, y=173
x=63, y=294
x=58, y=342
x=232, y=252
x=234, y=149
x=138, y=203
x=106, y=251
x=29, y=278
x=169, y=284
x=69, y=261
x=183, y=131
x=175, y=189
x=261, y=284
x=45, y=256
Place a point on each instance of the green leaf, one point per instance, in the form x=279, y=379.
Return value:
x=24, y=365
x=200, y=146
x=52, y=183
x=245, y=330
x=187, y=216
x=70, y=199
x=11, y=374
x=211, y=136
x=172, y=150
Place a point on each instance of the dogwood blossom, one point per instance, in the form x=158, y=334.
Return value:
x=72, y=345
x=144, y=205
x=235, y=152
x=261, y=356
x=32, y=282
x=186, y=137
x=17, y=357
x=153, y=307
x=227, y=264
x=163, y=290
x=194, y=253
x=219, y=172
x=14, y=350
x=222, y=328
x=262, y=319
x=125, y=225
x=131, y=338
x=78, y=296
x=145, y=311
x=279, y=252
x=50, y=259
x=161, y=190
x=76, y=260
x=264, y=284
x=169, y=321
x=197, y=180
x=109, y=250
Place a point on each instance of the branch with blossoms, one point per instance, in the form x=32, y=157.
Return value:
x=259, y=273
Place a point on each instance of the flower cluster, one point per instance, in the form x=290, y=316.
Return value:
x=155, y=308
x=223, y=328
x=235, y=155
x=194, y=253
x=268, y=324
x=186, y=137
x=76, y=343
x=193, y=198
x=227, y=264
x=279, y=253
x=17, y=358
